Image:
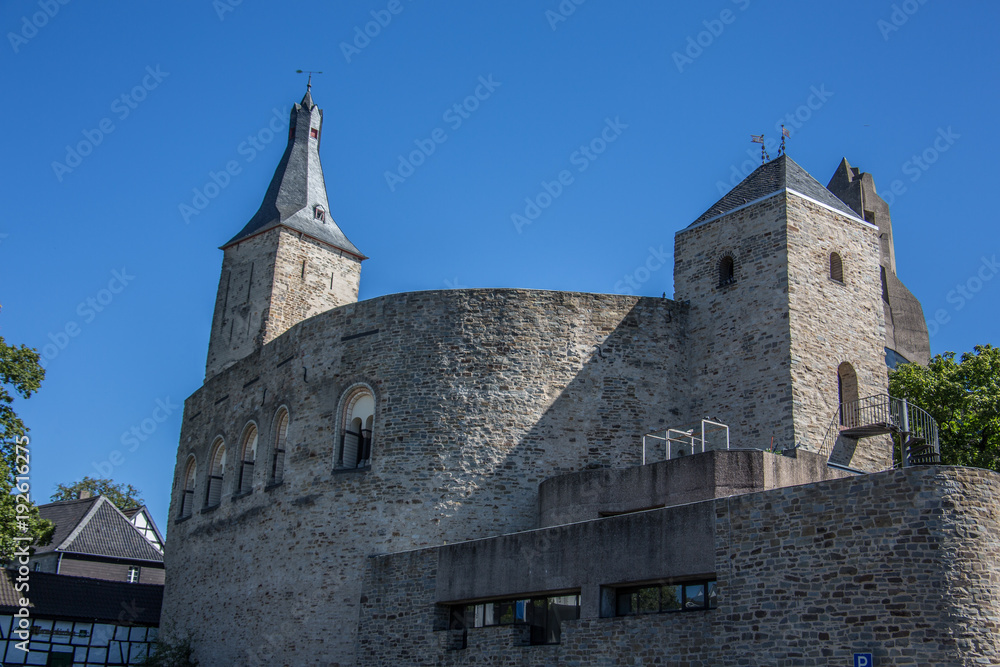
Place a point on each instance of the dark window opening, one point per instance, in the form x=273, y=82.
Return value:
x=542, y=615
x=885, y=288
x=314, y=132
x=727, y=271
x=836, y=268
x=663, y=598
x=319, y=214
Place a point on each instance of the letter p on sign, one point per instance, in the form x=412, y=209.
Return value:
x=863, y=660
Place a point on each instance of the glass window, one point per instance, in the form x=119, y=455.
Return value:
x=544, y=615
x=660, y=598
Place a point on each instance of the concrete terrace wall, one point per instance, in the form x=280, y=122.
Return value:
x=480, y=395
x=591, y=494
x=904, y=564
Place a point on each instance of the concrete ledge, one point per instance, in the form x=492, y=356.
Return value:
x=592, y=494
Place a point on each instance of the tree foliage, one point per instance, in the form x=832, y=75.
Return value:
x=963, y=397
x=21, y=374
x=124, y=496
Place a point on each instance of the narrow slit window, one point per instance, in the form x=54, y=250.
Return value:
x=727, y=271
x=836, y=268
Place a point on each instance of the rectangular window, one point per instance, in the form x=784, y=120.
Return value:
x=543, y=615
x=133, y=574
x=661, y=598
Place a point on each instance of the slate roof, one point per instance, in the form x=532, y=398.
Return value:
x=770, y=178
x=95, y=526
x=298, y=186
x=83, y=599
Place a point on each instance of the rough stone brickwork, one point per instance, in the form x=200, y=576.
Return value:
x=310, y=278
x=739, y=335
x=271, y=282
x=242, y=300
x=903, y=564
x=832, y=323
x=480, y=395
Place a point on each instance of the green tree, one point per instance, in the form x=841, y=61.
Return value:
x=964, y=397
x=21, y=374
x=124, y=496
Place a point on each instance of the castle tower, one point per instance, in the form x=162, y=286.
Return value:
x=906, y=337
x=783, y=283
x=291, y=261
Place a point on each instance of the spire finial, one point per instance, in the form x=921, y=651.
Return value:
x=310, y=79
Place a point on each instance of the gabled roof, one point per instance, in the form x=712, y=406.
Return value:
x=298, y=186
x=95, y=526
x=771, y=178
x=83, y=599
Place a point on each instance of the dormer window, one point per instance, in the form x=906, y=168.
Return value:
x=319, y=214
x=314, y=132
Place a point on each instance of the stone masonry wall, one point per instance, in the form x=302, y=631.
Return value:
x=242, y=300
x=739, y=334
x=269, y=283
x=834, y=322
x=310, y=278
x=903, y=564
x=480, y=395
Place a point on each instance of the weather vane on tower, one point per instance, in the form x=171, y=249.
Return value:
x=310, y=79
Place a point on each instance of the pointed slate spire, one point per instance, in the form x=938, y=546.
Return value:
x=770, y=178
x=296, y=197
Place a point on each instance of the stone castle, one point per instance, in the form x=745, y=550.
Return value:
x=461, y=477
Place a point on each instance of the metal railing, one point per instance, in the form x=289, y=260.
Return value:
x=885, y=414
x=695, y=439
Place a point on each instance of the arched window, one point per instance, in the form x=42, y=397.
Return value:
x=836, y=268
x=727, y=271
x=187, y=493
x=216, y=471
x=278, y=457
x=357, y=419
x=248, y=454
x=847, y=390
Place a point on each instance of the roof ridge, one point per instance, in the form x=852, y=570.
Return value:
x=81, y=523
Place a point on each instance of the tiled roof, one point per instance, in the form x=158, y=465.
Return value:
x=66, y=515
x=95, y=526
x=771, y=178
x=83, y=599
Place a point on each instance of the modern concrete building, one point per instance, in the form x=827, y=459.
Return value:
x=519, y=477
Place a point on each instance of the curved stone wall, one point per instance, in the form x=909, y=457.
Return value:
x=480, y=395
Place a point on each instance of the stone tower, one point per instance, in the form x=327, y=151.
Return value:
x=291, y=261
x=783, y=283
x=906, y=337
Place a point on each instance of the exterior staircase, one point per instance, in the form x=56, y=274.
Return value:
x=883, y=415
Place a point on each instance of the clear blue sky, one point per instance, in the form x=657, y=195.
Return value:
x=884, y=86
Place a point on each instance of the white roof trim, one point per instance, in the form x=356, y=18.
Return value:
x=778, y=192
x=830, y=208
x=738, y=208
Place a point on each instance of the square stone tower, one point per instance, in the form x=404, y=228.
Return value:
x=291, y=261
x=786, y=317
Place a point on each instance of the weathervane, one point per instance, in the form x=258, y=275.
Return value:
x=759, y=139
x=310, y=73
x=784, y=134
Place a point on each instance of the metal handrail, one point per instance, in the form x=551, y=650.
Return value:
x=896, y=415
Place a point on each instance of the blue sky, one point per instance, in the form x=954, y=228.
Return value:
x=117, y=115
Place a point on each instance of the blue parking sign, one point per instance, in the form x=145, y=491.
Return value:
x=863, y=660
